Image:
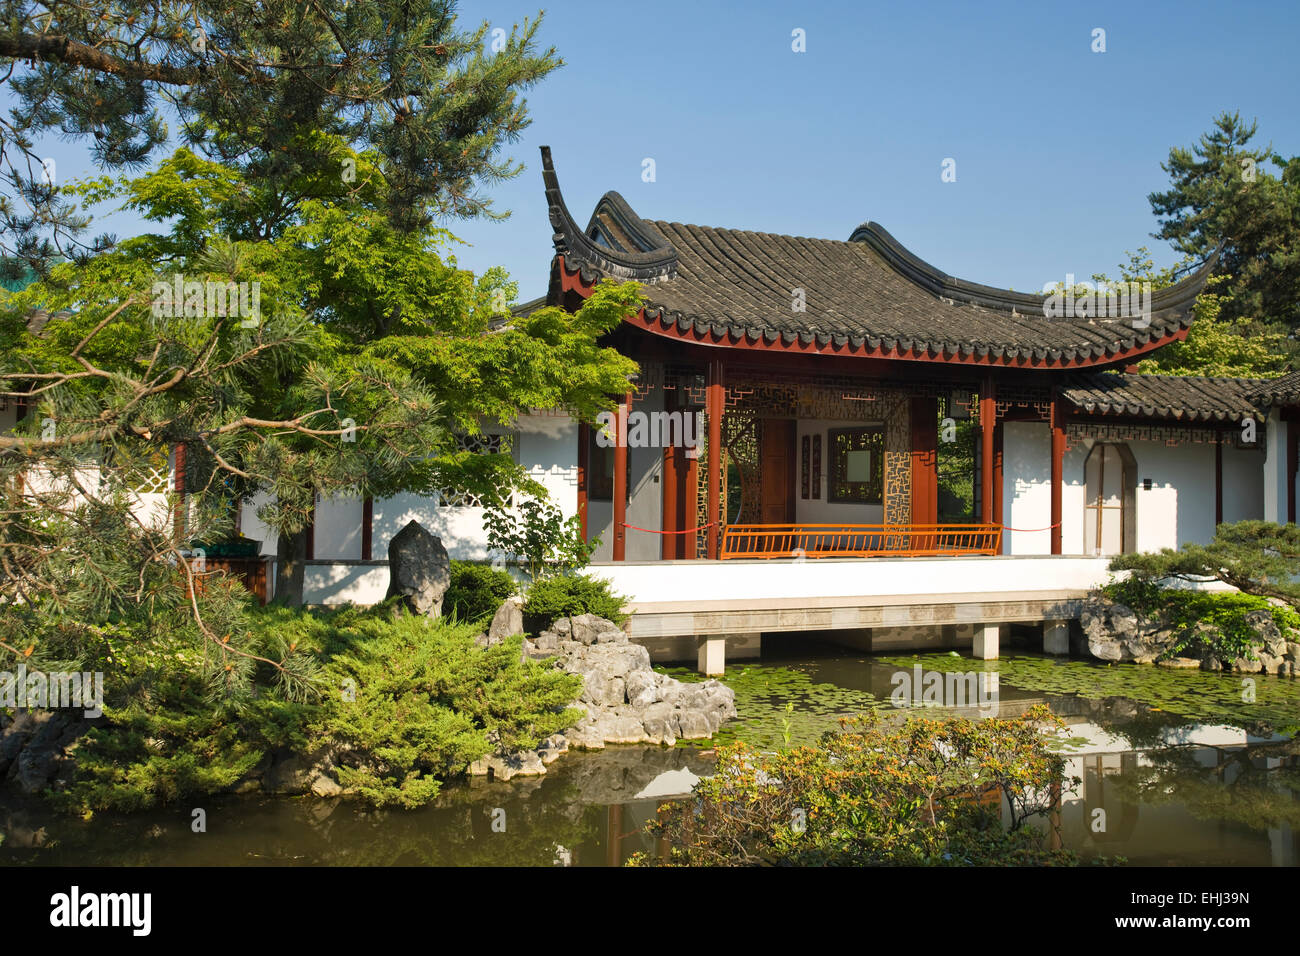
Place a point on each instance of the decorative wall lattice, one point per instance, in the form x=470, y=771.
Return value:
x=498, y=444
x=1169, y=435
x=898, y=459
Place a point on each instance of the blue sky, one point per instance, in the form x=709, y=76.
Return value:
x=1056, y=147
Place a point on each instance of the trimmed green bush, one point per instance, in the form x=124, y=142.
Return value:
x=476, y=591
x=405, y=702
x=569, y=595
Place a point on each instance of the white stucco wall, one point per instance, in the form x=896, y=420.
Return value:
x=1243, y=484
x=547, y=445
x=1177, y=509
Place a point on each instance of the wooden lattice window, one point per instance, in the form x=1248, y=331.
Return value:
x=857, y=457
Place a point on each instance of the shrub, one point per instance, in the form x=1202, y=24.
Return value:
x=476, y=591
x=926, y=793
x=426, y=702
x=1228, y=633
x=565, y=596
x=404, y=701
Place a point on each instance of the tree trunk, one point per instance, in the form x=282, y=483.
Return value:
x=291, y=559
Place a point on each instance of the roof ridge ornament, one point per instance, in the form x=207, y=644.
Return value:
x=653, y=260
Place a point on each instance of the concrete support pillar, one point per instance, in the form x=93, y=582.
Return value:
x=711, y=652
x=986, y=642
x=1056, y=637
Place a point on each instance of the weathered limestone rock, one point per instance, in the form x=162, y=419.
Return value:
x=419, y=569
x=588, y=629
x=694, y=725
x=35, y=745
x=1115, y=633
x=642, y=688
x=553, y=748
x=526, y=763
x=508, y=620
x=325, y=786
x=624, y=700
x=297, y=773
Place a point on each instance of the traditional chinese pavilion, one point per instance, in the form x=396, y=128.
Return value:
x=859, y=401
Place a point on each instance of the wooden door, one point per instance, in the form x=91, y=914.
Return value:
x=777, y=469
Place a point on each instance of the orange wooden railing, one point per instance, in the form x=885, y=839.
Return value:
x=858, y=540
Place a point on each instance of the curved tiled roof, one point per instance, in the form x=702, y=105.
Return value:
x=866, y=293
x=1177, y=397
x=1278, y=391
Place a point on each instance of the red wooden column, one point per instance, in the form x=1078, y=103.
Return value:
x=925, y=461
x=620, y=479
x=713, y=404
x=584, y=444
x=1058, y=467
x=988, y=421
x=367, y=528
x=997, y=473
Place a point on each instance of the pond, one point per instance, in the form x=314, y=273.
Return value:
x=1175, y=768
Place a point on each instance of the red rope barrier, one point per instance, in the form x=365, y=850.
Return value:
x=684, y=531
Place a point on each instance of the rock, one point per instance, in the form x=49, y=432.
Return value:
x=479, y=768
x=419, y=569
x=586, y=736
x=553, y=748
x=546, y=641
x=508, y=620
x=1211, y=663
x=694, y=725
x=325, y=786
x=621, y=730
x=295, y=773
x=660, y=723
x=589, y=629
x=33, y=746
x=1179, y=662
x=1245, y=666
x=603, y=689
x=642, y=689
x=1123, y=622
x=526, y=763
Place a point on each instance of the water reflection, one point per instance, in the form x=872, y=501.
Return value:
x=1155, y=788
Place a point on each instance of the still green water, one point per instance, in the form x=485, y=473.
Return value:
x=1175, y=768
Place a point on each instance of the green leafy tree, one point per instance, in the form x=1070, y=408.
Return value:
x=1257, y=557
x=1223, y=195
x=248, y=80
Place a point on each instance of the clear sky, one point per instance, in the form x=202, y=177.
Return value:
x=1055, y=147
